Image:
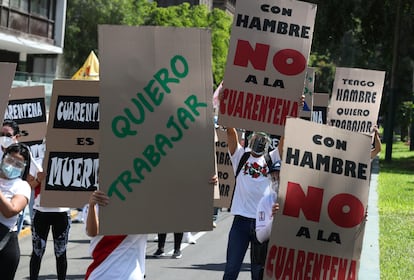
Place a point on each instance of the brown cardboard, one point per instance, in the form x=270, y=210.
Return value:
x=356, y=99
x=322, y=210
x=266, y=66
x=7, y=71
x=159, y=139
x=72, y=148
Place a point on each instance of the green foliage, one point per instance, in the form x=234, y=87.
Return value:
x=324, y=72
x=84, y=16
x=81, y=34
x=405, y=118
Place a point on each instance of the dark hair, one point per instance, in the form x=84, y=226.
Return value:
x=13, y=124
x=23, y=150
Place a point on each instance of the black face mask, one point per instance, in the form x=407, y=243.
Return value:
x=259, y=144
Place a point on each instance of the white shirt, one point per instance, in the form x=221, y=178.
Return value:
x=10, y=188
x=264, y=216
x=252, y=183
x=124, y=257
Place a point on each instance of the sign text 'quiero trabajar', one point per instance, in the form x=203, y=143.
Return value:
x=134, y=115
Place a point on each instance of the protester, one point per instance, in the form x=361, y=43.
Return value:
x=14, y=197
x=44, y=218
x=251, y=185
x=178, y=237
x=267, y=207
x=10, y=133
x=114, y=256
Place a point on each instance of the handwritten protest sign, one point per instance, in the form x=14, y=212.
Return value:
x=157, y=148
x=27, y=107
x=71, y=159
x=7, y=71
x=225, y=171
x=318, y=231
x=266, y=65
x=356, y=99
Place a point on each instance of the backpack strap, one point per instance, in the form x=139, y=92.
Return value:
x=242, y=161
x=268, y=159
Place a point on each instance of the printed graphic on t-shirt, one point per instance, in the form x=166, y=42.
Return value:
x=255, y=170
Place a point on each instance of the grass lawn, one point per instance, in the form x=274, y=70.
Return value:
x=396, y=212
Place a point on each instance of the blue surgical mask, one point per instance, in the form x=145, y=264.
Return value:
x=11, y=171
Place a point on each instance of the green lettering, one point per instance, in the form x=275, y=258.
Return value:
x=124, y=130
x=152, y=93
x=192, y=103
x=151, y=155
x=161, y=141
x=182, y=115
x=145, y=102
x=174, y=68
x=129, y=114
x=162, y=78
x=139, y=165
x=124, y=180
x=173, y=124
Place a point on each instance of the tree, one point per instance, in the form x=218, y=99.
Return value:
x=81, y=34
x=84, y=16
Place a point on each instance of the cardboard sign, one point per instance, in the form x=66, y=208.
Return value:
x=266, y=65
x=323, y=196
x=306, y=111
x=27, y=107
x=71, y=159
x=7, y=71
x=225, y=171
x=356, y=99
x=320, y=107
x=157, y=149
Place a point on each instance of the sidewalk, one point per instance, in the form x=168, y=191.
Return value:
x=369, y=266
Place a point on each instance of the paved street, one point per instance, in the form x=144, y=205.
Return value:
x=204, y=260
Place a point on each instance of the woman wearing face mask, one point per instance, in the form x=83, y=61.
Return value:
x=14, y=196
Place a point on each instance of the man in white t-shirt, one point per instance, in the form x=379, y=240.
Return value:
x=252, y=183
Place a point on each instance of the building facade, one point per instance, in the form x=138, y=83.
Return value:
x=32, y=35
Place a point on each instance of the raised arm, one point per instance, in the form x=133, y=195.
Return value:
x=232, y=139
x=92, y=221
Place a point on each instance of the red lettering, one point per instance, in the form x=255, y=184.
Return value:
x=288, y=62
x=248, y=106
x=310, y=203
x=343, y=264
x=308, y=265
x=271, y=256
x=245, y=53
x=334, y=264
x=300, y=262
x=346, y=210
x=290, y=262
